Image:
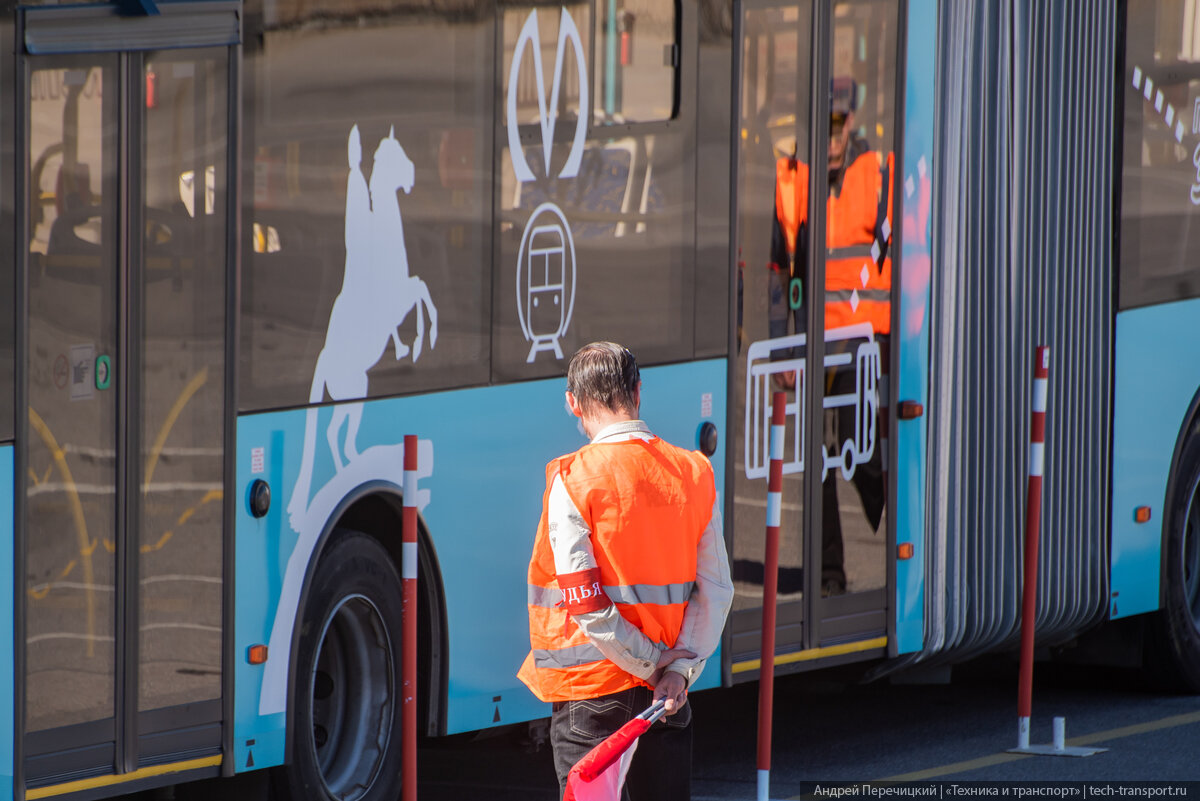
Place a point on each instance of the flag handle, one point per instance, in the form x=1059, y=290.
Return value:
x=655, y=710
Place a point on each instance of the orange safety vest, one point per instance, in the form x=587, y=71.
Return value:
x=851, y=219
x=647, y=503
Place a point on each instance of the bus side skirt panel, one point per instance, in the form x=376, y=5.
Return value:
x=1151, y=406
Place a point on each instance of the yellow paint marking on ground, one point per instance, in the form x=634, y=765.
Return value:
x=86, y=547
x=45, y=588
x=1002, y=758
x=191, y=389
x=34, y=476
x=60, y=459
x=211, y=495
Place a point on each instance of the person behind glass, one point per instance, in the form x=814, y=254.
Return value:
x=629, y=582
x=858, y=281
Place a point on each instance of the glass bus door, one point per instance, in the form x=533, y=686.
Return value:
x=834, y=531
x=126, y=243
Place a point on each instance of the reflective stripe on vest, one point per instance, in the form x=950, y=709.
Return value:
x=551, y=597
x=853, y=217
x=646, y=553
x=850, y=252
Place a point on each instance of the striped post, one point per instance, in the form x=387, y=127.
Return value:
x=408, y=580
x=1033, y=514
x=766, y=671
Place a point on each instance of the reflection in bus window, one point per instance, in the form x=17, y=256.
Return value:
x=1160, y=184
x=401, y=95
x=636, y=61
x=622, y=202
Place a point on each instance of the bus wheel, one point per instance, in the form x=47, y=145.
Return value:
x=1177, y=629
x=345, y=728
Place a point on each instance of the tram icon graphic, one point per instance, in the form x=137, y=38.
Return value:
x=856, y=347
x=546, y=260
x=546, y=280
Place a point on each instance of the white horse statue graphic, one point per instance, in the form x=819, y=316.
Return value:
x=377, y=295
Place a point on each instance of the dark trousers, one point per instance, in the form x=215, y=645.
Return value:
x=661, y=769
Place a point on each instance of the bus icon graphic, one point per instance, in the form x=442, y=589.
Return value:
x=852, y=346
x=546, y=280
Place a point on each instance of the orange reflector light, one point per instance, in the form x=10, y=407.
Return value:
x=257, y=654
x=1141, y=514
x=905, y=551
x=909, y=410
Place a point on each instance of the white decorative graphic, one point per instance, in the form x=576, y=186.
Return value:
x=546, y=280
x=376, y=297
x=860, y=348
x=547, y=115
x=546, y=260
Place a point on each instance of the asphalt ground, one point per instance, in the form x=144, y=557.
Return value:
x=831, y=730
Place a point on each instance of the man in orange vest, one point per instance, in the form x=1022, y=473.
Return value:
x=629, y=581
x=858, y=283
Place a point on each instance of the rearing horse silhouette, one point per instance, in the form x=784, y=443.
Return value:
x=377, y=295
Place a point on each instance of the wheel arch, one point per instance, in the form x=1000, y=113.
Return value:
x=375, y=508
x=1187, y=431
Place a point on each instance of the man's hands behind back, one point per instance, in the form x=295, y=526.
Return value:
x=667, y=683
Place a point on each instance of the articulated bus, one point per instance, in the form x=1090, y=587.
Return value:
x=257, y=243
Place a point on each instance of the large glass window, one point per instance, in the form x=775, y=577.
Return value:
x=367, y=226
x=182, y=408
x=594, y=226
x=71, y=491
x=1160, y=179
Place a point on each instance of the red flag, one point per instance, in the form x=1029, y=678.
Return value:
x=600, y=775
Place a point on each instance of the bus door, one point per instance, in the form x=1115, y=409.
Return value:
x=125, y=229
x=833, y=572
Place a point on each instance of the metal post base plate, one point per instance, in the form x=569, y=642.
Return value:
x=1050, y=750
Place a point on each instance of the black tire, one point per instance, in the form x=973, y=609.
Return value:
x=345, y=723
x=1176, y=630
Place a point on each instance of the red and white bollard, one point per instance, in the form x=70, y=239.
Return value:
x=1033, y=516
x=766, y=670
x=408, y=622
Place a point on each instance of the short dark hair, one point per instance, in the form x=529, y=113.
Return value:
x=605, y=373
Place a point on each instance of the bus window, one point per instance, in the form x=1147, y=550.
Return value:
x=637, y=58
x=366, y=241
x=592, y=231
x=1160, y=179
x=183, y=399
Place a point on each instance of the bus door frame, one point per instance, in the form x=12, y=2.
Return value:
x=127, y=30
x=816, y=609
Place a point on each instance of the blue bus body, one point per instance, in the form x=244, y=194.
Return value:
x=364, y=225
